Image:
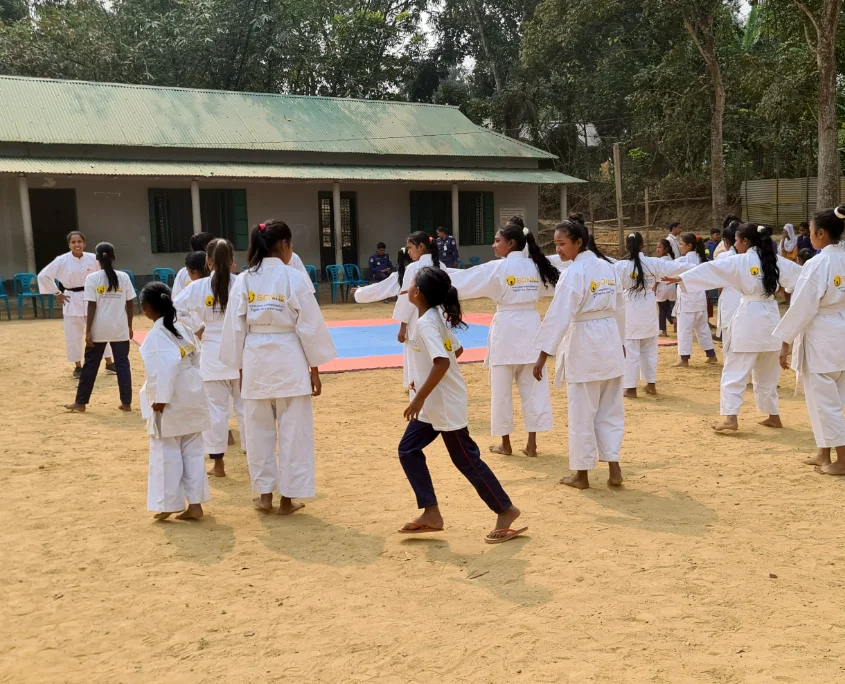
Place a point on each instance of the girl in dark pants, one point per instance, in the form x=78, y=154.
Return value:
x=439, y=407
x=666, y=293
x=110, y=299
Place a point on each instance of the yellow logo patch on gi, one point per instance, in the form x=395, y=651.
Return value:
x=633, y=275
x=447, y=344
x=187, y=349
x=837, y=281
x=755, y=271
x=101, y=289
x=209, y=301
x=251, y=296
x=510, y=280
x=593, y=286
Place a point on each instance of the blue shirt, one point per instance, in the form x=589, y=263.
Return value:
x=805, y=243
x=448, y=250
x=711, y=248
x=379, y=263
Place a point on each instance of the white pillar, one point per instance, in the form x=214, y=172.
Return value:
x=26, y=216
x=564, y=202
x=195, y=207
x=456, y=215
x=338, y=231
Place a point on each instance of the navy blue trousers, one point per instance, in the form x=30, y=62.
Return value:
x=466, y=457
x=93, y=356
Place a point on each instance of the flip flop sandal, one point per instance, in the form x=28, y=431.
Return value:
x=418, y=529
x=510, y=534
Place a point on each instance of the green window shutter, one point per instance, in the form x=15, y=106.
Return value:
x=489, y=219
x=415, y=210
x=241, y=231
x=153, y=232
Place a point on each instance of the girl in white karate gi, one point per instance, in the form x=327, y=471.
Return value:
x=197, y=243
x=728, y=297
x=638, y=274
x=515, y=282
x=691, y=310
x=666, y=294
x=815, y=322
x=71, y=269
x=275, y=334
x=757, y=273
x=204, y=303
x=439, y=407
x=584, y=326
x=176, y=410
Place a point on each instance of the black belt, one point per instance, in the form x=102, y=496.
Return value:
x=74, y=289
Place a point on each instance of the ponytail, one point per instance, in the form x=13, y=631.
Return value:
x=402, y=261
x=594, y=248
x=523, y=237
x=263, y=238
x=760, y=238
x=157, y=296
x=697, y=243
x=634, y=243
x=437, y=289
x=105, y=257
x=222, y=277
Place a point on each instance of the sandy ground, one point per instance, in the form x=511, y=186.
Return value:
x=719, y=561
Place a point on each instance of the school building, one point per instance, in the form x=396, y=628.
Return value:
x=146, y=167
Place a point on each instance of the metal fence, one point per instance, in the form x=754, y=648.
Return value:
x=775, y=201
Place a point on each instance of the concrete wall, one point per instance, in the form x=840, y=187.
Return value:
x=116, y=209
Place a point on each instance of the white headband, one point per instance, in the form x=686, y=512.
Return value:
x=838, y=213
x=761, y=229
x=525, y=232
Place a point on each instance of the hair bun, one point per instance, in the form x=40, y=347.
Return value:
x=840, y=211
x=165, y=297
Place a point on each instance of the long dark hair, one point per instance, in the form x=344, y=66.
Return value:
x=729, y=219
x=263, y=238
x=221, y=258
x=667, y=248
x=729, y=234
x=105, y=257
x=200, y=241
x=761, y=238
x=831, y=221
x=157, y=296
x=634, y=243
x=402, y=261
x=697, y=243
x=521, y=237
x=436, y=286
x=575, y=230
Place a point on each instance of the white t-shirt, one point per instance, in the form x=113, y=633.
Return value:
x=110, y=324
x=445, y=409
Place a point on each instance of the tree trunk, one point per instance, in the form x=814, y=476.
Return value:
x=829, y=167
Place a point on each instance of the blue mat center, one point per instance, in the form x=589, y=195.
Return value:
x=380, y=340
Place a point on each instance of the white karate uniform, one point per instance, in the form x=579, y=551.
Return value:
x=181, y=281
x=378, y=292
x=71, y=272
x=177, y=467
x=728, y=304
x=274, y=331
x=559, y=263
x=514, y=284
x=584, y=325
x=815, y=322
x=642, y=325
x=691, y=315
x=751, y=348
x=222, y=383
x=666, y=292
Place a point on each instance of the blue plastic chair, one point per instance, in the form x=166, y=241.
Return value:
x=314, y=274
x=353, y=276
x=164, y=275
x=474, y=261
x=4, y=297
x=23, y=290
x=460, y=264
x=336, y=278
x=134, y=287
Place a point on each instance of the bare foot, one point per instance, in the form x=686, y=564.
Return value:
x=504, y=522
x=288, y=506
x=125, y=407
x=530, y=450
x=615, y=477
x=630, y=393
x=501, y=449
x=822, y=458
x=681, y=364
x=430, y=519
x=836, y=468
x=772, y=422
x=579, y=480
x=75, y=408
x=231, y=438
x=730, y=423
x=264, y=502
x=163, y=516
x=193, y=512
x=219, y=468
x=651, y=388
x=712, y=359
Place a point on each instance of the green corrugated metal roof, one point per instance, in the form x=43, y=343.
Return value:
x=300, y=172
x=34, y=110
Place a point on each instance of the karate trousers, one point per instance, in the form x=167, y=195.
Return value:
x=764, y=369
x=75, y=339
x=825, y=396
x=93, y=356
x=596, y=414
x=222, y=394
x=466, y=457
x=640, y=361
x=280, y=445
x=177, y=472
x=535, y=397
x=694, y=321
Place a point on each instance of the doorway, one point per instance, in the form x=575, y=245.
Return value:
x=53, y=217
x=348, y=228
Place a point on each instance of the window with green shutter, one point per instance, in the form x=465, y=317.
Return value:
x=478, y=225
x=223, y=213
